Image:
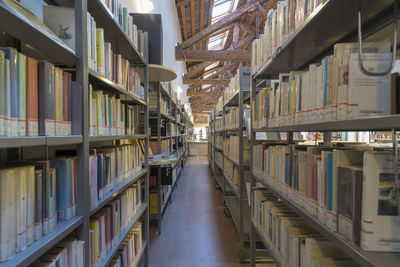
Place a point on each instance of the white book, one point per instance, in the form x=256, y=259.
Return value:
x=89, y=39
x=380, y=224
x=21, y=207
x=369, y=96
x=7, y=207
x=30, y=213
x=79, y=257
x=61, y=20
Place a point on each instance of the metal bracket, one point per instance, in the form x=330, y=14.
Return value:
x=181, y=50
x=360, y=53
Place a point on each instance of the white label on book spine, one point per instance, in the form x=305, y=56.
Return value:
x=49, y=127
x=21, y=127
x=33, y=127
x=14, y=127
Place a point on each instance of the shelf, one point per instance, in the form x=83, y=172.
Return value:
x=9, y=142
x=271, y=250
x=235, y=188
x=28, y=31
x=117, y=190
x=162, y=137
x=321, y=30
x=364, y=258
x=233, y=205
x=63, y=140
x=159, y=73
x=140, y=254
x=41, y=246
x=101, y=138
x=110, y=255
x=29, y=141
x=113, y=32
x=235, y=160
x=234, y=100
x=101, y=82
x=381, y=123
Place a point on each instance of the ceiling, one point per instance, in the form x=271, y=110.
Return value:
x=216, y=38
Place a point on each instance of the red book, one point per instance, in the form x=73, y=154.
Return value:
x=32, y=105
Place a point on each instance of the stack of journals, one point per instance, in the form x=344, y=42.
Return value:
x=35, y=96
x=220, y=104
x=261, y=109
x=281, y=23
x=127, y=254
x=108, y=116
x=231, y=119
x=34, y=195
x=107, y=224
x=290, y=238
x=328, y=184
x=219, y=123
x=231, y=171
x=165, y=145
x=111, y=166
x=69, y=252
x=334, y=89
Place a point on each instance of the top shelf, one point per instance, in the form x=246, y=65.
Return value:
x=113, y=32
x=334, y=21
x=159, y=73
x=28, y=31
x=381, y=123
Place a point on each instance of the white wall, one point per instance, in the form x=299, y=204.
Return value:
x=171, y=35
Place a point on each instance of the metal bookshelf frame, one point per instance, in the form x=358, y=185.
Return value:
x=60, y=54
x=377, y=17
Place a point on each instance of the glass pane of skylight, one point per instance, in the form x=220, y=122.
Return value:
x=221, y=9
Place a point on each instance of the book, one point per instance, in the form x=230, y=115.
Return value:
x=46, y=102
x=32, y=100
x=349, y=203
x=379, y=206
x=11, y=56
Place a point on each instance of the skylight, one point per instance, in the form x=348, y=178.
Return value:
x=221, y=9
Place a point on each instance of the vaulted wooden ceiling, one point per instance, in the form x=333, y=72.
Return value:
x=209, y=71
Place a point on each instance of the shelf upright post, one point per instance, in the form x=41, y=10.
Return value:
x=159, y=152
x=242, y=184
x=252, y=182
x=396, y=169
x=146, y=166
x=83, y=192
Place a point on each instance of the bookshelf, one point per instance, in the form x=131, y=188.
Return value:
x=41, y=45
x=235, y=196
x=165, y=110
x=377, y=16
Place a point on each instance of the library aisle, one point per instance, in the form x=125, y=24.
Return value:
x=196, y=232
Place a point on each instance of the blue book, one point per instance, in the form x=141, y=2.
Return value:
x=287, y=169
x=107, y=176
x=11, y=54
x=64, y=190
x=124, y=18
x=329, y=182
x=100, y=184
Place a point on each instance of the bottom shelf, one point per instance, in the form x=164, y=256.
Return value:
x=41, y=246
x=364, y=258
x=110, y=255
x=140, y=254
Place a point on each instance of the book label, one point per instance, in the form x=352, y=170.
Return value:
x=32, y=127
x=49, y=127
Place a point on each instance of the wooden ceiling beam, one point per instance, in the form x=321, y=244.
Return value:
x=201, y=20
x=193, y=19
x=198, y=69
x=213, y=55
x=218, y=25
x=206, y=81
x=183, y=18
x=243, y=41
x=201, y=94
x=235, y=37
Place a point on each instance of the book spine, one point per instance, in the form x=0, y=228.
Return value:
x=46, y=99
x=100, y=51
x=32, y=101
x=30, y=217
x=38, y=204
x=21, y=85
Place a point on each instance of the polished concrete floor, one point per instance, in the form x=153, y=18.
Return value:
x=195, y=231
